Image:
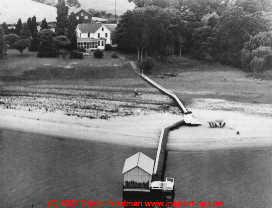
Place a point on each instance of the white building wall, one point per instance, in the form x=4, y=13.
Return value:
x=103, y=31
x=137, y=175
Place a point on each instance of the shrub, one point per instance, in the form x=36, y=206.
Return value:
x=98, y=54
x=10, y=39
x=257, y=65
x=108, y=47
x=62, y=42
x=115, y=56
x=47, y=46
x=83, y=50
x=75, y=54
x=21, y=45
x=147, y=65
x=34, y=45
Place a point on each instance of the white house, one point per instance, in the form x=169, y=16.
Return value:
x=137, y=172
x=91, y=36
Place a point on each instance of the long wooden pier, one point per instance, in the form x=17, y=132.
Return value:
x=188, y=120
x=161, y=156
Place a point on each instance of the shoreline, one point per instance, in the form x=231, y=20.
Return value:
x=144, y=130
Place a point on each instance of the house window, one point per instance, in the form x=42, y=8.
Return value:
x=82, y=14
x=102, y=43
x=77, y=17
x=106, y=35
x=98, y=35
x=98, y=43
x=86, y=17
x=102, y=28
x=89, y=35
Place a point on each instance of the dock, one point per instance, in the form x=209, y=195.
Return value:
x=161, y=156
x=161, y=187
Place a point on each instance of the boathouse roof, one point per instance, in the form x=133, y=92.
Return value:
x=139, y=160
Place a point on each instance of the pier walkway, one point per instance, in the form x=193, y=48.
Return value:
x=188, y=120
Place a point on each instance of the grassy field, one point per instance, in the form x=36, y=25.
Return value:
x=16, y=64
x=74, y=84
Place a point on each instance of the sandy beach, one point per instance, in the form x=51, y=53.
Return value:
x=242, y=129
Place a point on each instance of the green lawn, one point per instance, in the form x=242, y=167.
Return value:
x=16, y=64
x=193, y=79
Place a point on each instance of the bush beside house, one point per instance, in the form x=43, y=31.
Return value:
x=98, y=54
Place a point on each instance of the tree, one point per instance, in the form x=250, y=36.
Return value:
x=34, y=45
x=2, y=43
x=151, y=31
x=71, y=27
x=21, y=45
x=25, y=32
x=5, y=28
x=73, y=3
x=62, y=42
x=18, y=27
x=131, y=33
x=145, y=3
x=233, y=30
x=47, y=46
x=29, y=23
x=141, y=3
x=11, y=38
x=33, y=26
x=62, y=18
x=44, y=24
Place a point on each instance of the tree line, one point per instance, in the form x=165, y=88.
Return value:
x=213, y=30
x=46, y=42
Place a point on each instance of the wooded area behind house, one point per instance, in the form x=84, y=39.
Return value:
x=231, y=32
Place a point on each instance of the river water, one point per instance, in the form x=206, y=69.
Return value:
x=35, y=169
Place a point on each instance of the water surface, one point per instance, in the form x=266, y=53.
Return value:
x=35, y=169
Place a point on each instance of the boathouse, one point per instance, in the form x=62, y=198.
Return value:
x=137, y=172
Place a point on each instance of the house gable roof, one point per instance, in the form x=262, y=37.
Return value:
x=111, y=27
x=139, y=160
x=82, y=10
x=98, y=19
x=89, y=27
